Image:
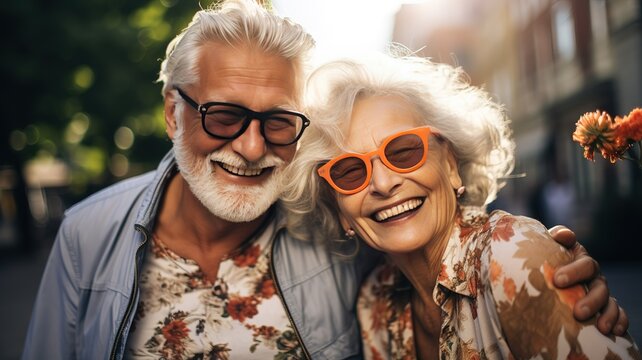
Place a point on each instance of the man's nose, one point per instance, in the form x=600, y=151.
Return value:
x=251, y=144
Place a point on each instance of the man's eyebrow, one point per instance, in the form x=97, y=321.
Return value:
x=280, y=107
x=285, y=108
x=276, y=107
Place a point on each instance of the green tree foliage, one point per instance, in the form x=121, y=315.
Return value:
x=79, y=83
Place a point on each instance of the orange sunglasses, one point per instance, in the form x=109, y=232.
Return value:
x=402, y=152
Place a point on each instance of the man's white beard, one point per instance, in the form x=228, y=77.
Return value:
x=231, y=202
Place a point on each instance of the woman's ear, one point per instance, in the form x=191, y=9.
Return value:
x=345, y=225
x=170, y=114
x=453, y=170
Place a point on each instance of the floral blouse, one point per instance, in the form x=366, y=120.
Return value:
x=182, y=315
x=497, y=299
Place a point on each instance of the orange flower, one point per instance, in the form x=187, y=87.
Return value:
x=267, y=332
x=266, y=288
x=175, y=332
x=509, y=288
x=459, y=272
x=596, y=131
x=504, y=229
x=613, y=138
x=406, y=319
x=380, y=311
x=629, y=128
x=248, y=257
x=495, y=271
x=242, y=307
x=443, y=273
x=375, y=353
x=472, y=285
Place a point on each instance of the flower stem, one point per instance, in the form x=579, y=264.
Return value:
x=636, y=157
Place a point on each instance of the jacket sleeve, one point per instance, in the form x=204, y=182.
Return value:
x=51, y=333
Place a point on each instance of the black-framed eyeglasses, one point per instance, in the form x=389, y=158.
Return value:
x=228, y=121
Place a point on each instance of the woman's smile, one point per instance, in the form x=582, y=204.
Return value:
x=398, y=211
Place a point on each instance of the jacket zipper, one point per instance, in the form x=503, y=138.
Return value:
x=285, y=306
x=132, y=298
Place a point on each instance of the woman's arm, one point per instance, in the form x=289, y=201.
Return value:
x=537, y=317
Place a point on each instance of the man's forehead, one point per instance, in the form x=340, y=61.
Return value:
x=243, y=57
x=247, y=75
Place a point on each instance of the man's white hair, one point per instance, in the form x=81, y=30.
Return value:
x=234, y=22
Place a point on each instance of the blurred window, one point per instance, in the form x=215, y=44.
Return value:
x=563, y=30
x=599, y=21
x=543, y=42
x=622, y=12
x=527, y=57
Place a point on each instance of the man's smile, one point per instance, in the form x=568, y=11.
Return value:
x=241, y=171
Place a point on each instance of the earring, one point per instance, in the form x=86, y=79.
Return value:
x=460, y=191
x=350, y=234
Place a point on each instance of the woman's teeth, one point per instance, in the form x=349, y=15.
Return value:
x=399, y=209
x=241, y=171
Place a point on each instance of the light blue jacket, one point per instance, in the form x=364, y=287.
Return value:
x=89, y=291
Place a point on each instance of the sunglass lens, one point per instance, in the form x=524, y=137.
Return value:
x=405, y=151
x=348, y=173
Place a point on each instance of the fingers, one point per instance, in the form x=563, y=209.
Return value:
x=583, y=269
x=609, y=316
x=596, y=299
x=613, y=319
x=622, y=323
x=563, y=236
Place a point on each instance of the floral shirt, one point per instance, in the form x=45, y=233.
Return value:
x=497, y=300
x=182, y=315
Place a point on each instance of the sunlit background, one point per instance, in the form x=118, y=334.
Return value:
x=81, y=109
x=342, y=28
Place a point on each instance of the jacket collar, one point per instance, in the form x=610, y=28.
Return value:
x=152, y=196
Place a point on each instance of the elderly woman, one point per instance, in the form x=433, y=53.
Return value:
x=409, y=154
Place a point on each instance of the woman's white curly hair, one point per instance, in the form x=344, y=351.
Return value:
x=475, y=126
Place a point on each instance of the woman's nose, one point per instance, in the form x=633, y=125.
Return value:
x=384, y=181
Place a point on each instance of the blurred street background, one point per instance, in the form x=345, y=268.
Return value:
x=81, y=110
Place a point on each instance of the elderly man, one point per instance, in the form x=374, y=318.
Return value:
x=192, y=260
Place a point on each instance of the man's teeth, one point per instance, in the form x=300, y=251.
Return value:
x=241, y=171
x=399, y=209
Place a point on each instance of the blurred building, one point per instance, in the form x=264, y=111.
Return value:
x=549, y=62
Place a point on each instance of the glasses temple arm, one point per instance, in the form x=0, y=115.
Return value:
x=188, y=99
